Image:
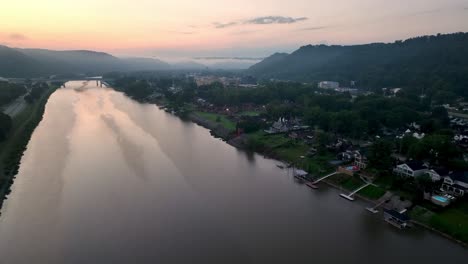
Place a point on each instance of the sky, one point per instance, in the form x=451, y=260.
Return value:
x=215, y=28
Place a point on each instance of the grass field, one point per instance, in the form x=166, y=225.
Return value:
x=372, y=192
x=453, y=220
x=250, y=113
x=223, y=120
x=294, y=152
x=352, y=183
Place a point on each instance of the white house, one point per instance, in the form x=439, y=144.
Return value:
x=360, y=159
x=410, y=169
x=437, y=174
x=456, y=183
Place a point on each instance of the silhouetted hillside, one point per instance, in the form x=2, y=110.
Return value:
x=41, y=62
x=430, y=62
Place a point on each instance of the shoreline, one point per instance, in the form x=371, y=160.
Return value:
x=213, y=128
x=20, y=143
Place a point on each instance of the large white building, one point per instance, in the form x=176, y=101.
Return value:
x=329, y=85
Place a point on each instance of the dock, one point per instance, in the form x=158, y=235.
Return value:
x=350, y=196
x=313, y=184
x=381, y=201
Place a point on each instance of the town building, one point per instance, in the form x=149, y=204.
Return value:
x=328, y=85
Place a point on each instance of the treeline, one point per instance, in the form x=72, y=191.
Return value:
x=9, y=92
x=177, y=90
x=5, y=125
x=15, y=145
x=338, y=113
x=436, y=65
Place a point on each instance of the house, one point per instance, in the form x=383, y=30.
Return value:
x=284, y=125
x=437, y=174
x=347, y=155
x=456, y=183
x=410, y=169
x=360, y=159
x=280, y=126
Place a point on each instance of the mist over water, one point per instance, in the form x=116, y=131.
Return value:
x=105, y=179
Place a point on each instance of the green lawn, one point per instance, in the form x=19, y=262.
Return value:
x=291, y=151
x=372, y=192
x=223, y=120
x=385, y=181
x=352, y=183
x=453, y=220
x=250, y=113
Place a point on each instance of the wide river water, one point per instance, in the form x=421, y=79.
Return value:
x=106, y=179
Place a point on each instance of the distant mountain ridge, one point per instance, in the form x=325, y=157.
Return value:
x=420, y=61
x=15, y=62
x=42, y=62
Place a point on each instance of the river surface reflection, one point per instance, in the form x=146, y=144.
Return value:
x=105, y=179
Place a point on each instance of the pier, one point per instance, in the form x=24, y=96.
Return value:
x=324, y=177
x=313, y=184
x=350, y=196
x=381, y=201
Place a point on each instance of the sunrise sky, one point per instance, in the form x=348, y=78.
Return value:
x=220, y=28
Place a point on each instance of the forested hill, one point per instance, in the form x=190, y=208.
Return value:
x=431, y=62
x=42, y=62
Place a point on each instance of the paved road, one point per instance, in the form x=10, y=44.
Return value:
x=15, y=107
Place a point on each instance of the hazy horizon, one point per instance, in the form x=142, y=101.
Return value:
x=183, y=30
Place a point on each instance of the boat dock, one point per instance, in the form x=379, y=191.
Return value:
x=323, y=178
x=350, y=196
x=381, y=201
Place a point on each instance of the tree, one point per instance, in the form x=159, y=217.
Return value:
x=380, y=152
x=5, y=125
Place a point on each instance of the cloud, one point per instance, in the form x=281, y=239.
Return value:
x=265, y=20
x=224, y=25
x=312, y=28
x=17, y=36
x=274, y=20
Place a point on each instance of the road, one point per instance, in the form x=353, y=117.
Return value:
x=15, y=107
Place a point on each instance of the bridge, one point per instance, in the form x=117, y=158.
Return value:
x=100, y=81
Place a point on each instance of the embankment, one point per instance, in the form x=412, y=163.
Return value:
x=14, y=146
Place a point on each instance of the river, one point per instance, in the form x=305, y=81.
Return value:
x=106, y=179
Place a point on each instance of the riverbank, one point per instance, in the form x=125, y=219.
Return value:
x=215, y=128
x=440, y=233
x=12, y=149
x=241, y=142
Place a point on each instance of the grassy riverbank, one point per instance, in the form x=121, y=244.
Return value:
x=11, y=150
x=452, y=221
x=218, y=118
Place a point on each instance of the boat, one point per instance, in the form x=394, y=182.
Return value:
x=280, y=166
x=312, y=185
